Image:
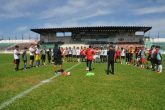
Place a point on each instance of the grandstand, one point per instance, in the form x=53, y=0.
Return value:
x=8, y=45
x=4, y=46
x=99, y=35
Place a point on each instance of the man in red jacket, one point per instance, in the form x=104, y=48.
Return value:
x=89, y=56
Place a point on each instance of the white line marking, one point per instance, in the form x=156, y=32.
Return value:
x=10, y=101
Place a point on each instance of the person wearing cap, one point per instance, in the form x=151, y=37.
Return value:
x=57, y=56
x=110, y=55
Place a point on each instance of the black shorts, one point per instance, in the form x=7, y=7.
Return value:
x=70, y=55
x=74, y=56
x=32, y=58
x=58, y=61
x=122, y=57
x=43, y=57
x=78, y=56
x=25, y=61
x=17, y=61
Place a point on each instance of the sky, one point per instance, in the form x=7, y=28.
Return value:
x=17, y=17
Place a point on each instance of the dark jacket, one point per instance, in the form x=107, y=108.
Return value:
x=111, y=54
x=57, y=53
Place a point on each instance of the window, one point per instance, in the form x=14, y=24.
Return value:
x=64, y=34
x=60, y=34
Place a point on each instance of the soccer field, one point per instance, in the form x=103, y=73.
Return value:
x=131, y=88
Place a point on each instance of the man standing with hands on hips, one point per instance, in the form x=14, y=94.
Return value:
x=110, y=54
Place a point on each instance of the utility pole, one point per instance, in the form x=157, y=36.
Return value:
x=29, y=36
x=158, y=36
x=22, y=37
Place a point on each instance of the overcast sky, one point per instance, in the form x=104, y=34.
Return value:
x=18, y=16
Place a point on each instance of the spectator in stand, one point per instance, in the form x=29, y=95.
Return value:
x=111, y=55
x=32, y=52
x=122, y=55
x=16, y=57
x=57, y=56
x=89, y=56
x=24, y=57
x=49, y=53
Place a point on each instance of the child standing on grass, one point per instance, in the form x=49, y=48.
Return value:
x=24, y=57
x=43, y=56
x=89, y=57
x=49, y=53
x=16, y=57
x=32, y=52
x=57, y=56
x=122, y=55
x=159, y=60
x=37, y=56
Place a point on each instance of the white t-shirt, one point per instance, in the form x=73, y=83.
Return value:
x=105, y=52
x=74, y=52
x=102, y=52
x=31, y=51
x=70, y=51
x=123, y=52
x=78, y=51
x=152, y=53
x=38, y=51
x=66, y=52
x=16, y=56
x=43, y=52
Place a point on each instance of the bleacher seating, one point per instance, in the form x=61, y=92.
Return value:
x=9, y=45
x=21, y=46
x=4, y=46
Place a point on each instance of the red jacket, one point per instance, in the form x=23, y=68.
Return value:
x=89, y=53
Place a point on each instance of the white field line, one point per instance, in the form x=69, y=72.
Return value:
x=10, y=101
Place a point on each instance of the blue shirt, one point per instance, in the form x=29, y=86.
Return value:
x=158, y=56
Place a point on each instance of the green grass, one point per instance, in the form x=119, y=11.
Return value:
x=130, y=88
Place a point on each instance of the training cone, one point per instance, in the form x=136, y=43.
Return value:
x=90, y=74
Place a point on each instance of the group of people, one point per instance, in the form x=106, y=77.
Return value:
x=141, y=57
x=37, y=55
x=138, y=56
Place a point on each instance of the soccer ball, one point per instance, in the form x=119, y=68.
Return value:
x=68, y=73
